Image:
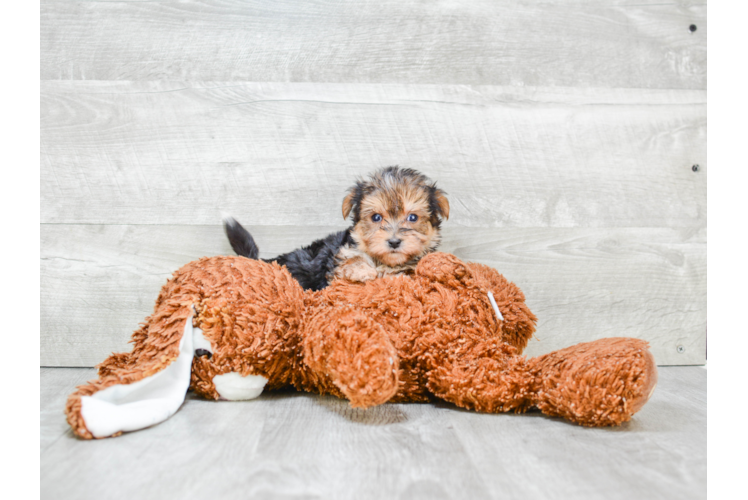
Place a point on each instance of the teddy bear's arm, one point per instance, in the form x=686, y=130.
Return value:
x=352, y=350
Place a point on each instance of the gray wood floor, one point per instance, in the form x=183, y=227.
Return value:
x=293, y=445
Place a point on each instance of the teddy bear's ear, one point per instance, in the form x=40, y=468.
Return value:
x=444, y=268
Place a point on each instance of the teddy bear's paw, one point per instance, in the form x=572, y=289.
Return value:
x=367, y=372
x=443, y=267
x=373, y=384
x=356, y=353
x=599, y=383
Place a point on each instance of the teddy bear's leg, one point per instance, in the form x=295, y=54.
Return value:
x=355, y=352
x=482, y=376
x=597, y=383
x=139, y=389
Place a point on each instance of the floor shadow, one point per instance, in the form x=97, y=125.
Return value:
x=385, y=414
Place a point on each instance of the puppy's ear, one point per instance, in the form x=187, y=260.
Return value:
x=439, y=203
x=348, y=204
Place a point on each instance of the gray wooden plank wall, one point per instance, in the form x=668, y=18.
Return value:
x=564, y=133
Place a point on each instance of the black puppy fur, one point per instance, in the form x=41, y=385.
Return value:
x=309, y=265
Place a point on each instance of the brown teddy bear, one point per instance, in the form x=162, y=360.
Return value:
x=230, y=327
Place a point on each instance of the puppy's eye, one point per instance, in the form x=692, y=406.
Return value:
x=376, y=217
x=412, y=218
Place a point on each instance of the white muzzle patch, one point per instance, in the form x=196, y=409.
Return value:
x=233, y=387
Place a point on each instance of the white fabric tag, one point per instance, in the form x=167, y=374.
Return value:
x=495, y=307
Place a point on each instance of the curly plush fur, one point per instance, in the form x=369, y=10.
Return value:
x=402, y=338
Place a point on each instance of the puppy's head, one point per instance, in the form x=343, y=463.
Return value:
x=396, y=215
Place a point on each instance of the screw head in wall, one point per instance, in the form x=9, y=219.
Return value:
x=695, y=168
x=680, y=349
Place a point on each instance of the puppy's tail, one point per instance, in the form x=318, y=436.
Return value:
x=240, y=239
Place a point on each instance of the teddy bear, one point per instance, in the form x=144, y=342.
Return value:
x=229, y=327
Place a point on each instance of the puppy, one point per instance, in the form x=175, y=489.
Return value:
x=396, y=214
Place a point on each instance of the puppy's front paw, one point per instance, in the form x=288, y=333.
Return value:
x=356, y=270
x=360, y=273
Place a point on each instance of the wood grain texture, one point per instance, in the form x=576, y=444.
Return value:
x=294, y=445
x=56, y=385
x=564, y=133
x=547, y=43
x=280, y=154
x=99, y=281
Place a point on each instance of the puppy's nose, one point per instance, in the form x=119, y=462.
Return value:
x=394, y=242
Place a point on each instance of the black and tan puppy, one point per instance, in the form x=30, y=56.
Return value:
x=396, y=214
